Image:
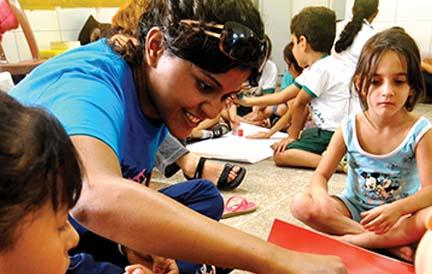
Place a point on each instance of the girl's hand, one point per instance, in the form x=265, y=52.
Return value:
x=137, y=269
x=380, y=219
x=165, y=266
x=158, y=265
x=280, y=146
x=259, y=135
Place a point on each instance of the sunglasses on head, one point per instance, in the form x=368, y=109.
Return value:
x=239, y=43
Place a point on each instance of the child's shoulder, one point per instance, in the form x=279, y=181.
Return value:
x=327, y=64
x=421, y=122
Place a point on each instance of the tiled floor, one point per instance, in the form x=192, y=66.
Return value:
x=272, y=188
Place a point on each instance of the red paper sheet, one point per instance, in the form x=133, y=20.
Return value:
x=356, y=259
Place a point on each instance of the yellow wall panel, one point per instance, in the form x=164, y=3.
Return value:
x=50, y=4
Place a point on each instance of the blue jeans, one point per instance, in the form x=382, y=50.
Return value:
x=85, y=264
x=200, y=195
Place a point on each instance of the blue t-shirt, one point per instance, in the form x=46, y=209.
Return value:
x=91, y=91
x=85, y=264
x=374, y=180
x=287, y=80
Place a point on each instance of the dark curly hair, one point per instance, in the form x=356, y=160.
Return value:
x=38, y=165
x=189, y=43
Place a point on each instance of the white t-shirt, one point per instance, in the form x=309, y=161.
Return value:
x=349, y=57
x=327, y=84
x=269, y=76
x=267, y=81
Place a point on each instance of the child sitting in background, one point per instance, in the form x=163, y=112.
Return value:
x=266, y=85
x=279, y=119
x=293, y=68
x=40, y=180
x=322, y=84
x=217, y=127
x=389, y=184
x=353, y=33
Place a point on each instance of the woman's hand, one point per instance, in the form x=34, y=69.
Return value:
x=380, y=219
x=286, y=261
x=281, y=146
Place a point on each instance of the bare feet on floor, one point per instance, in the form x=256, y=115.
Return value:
x=405, y=253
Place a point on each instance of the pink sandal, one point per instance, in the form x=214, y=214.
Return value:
x=237, y=205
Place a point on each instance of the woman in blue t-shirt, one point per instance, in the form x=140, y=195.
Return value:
x=118, y=97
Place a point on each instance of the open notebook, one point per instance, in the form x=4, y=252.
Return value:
x=236, y=148
x=357, y=260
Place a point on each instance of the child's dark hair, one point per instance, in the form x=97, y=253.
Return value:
x=191, y=43
x=389, y=40
x=317, y=25
x=362, y=9
x=38, y=165
x=289, y=57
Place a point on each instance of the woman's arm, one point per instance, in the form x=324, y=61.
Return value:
x=149, y=222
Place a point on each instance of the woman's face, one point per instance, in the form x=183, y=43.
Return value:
x=43, y=241
x=183, y=94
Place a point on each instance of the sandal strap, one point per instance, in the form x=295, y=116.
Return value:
x=223, y=181
x=223, y=177
x=200, y=167
x=220, y=130
x=230, y=200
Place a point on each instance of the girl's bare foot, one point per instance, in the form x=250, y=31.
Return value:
x=405, y=253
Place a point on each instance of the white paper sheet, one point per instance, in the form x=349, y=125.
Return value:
x=236, y=148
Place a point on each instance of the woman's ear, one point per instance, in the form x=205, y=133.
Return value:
x=154, y=46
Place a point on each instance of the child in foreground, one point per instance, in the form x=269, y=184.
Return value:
x=389, y=180
x=40, y=180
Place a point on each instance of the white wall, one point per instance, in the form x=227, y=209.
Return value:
x=51, y=25
x=277, y=23
x=65, y=24
x=277, y=17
